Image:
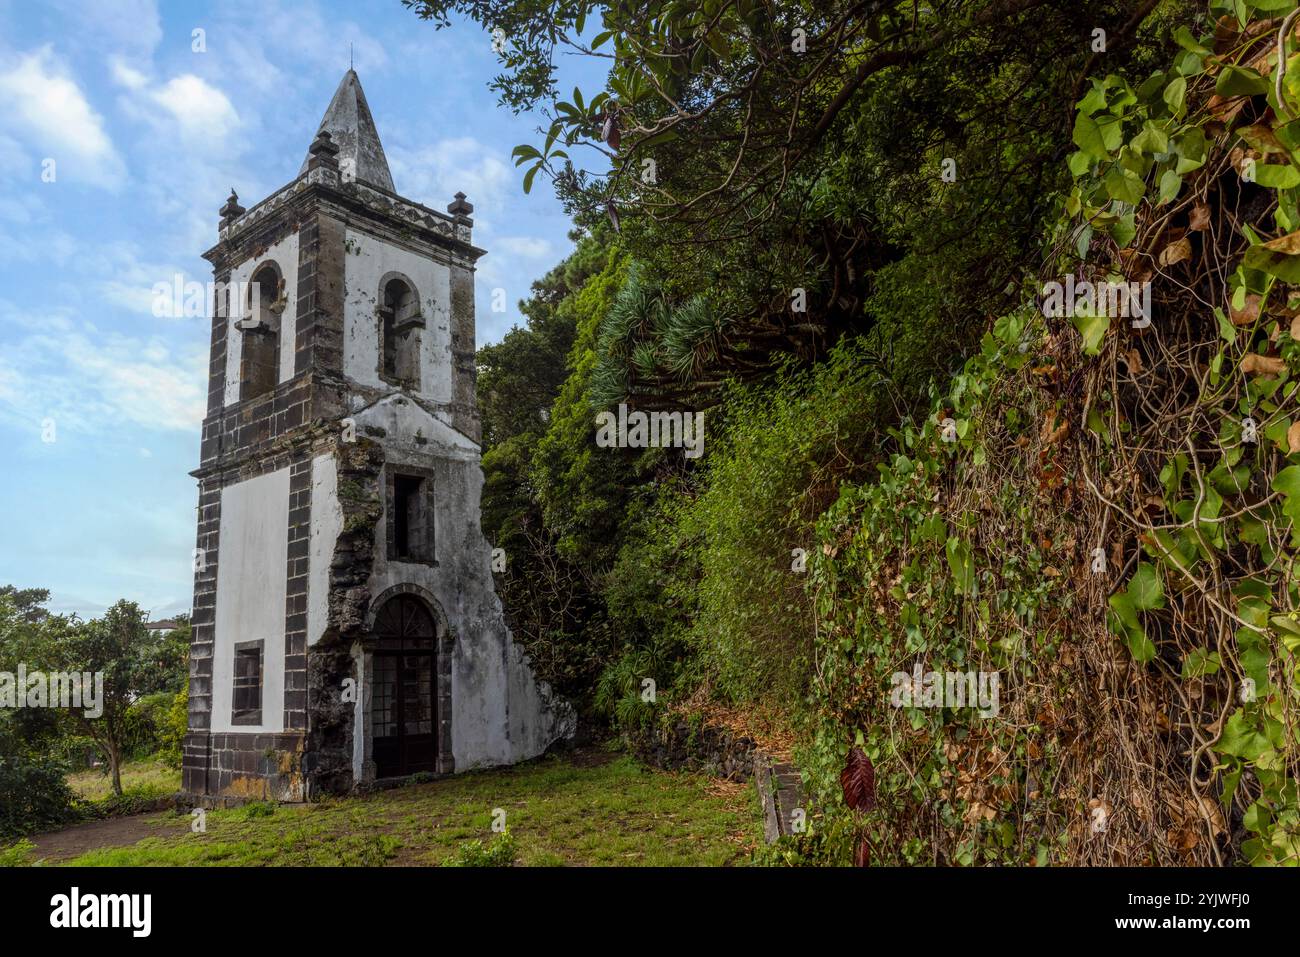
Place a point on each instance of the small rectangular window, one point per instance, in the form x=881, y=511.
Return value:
x=410, y=518
x=246, y=696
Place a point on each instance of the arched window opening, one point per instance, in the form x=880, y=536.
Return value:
x=401, y=321
x=259, y=357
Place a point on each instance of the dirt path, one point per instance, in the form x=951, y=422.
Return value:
x=58, y=846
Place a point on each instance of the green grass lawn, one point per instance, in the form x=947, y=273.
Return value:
x=149, y=778
x=565, y=810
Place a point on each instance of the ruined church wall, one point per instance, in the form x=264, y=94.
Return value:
x=285, y=256
x=499, y=714
x=369, y=263
x=251, y=589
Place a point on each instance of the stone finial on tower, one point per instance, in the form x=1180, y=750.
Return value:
x=323, y=152
x=461, y=209
x=232, y=210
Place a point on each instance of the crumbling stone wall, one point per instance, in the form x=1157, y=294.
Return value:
x=331, y=666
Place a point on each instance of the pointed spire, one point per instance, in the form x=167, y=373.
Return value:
x=352, y=130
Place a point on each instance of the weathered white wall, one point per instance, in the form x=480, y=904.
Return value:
x=367, y=261
x=253, y=551
x=361, y=715
x=500, y=715
x=326, y=523
x=285, y=255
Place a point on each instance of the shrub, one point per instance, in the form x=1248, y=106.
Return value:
x=786, y=451
x=499, y=852
x=33, y=793
x=17, y=855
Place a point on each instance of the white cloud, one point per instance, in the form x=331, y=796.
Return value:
x=200, y=110
x=190, y=115
x=126, y=75
x=123, y=277
x=186, y=104
x=47, y=110
x=434, y=174
x=530, y=247
x=88, y=382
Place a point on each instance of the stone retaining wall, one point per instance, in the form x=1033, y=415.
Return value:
x=682, y=744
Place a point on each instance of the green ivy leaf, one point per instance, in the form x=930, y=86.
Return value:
x=1125, y=622
x=1240, y=81
x=1093, y=329
x=1183, y=37
x=1242, y=739
x=962, y=565
x=1087, y=136
x=1200, y=661
x=1145, y=589
x=1170, y=186
x=1176, y=96
x=1190, y=146
x=1288, y=630
x=1276, y=176
x=1123, y=185
x=1152, y=139
x=1287, y=482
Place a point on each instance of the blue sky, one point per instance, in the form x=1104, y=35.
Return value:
x=101, y=401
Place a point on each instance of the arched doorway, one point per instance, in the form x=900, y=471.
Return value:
x=404, y=705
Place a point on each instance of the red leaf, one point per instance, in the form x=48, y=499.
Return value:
x=858, y=779
x=610, y=132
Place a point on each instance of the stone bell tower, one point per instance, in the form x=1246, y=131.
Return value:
x=346, y=628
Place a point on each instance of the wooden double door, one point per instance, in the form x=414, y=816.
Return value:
x=404, y=695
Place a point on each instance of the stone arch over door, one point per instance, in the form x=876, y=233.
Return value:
x=395, y=628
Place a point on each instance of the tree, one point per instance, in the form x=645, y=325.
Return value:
x=790, y=173
x=119, y=647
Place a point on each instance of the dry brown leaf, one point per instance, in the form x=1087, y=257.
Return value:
x=1226, y=32
x=1293, y=437
x=978, y=811
x=1248, y=313
x=1263, y=139
x=1288, y=245
x=1214, y=812
x=1255, y=364
x=1295, y=327
x=1226, y=108
x=1184, y=838
x=1134, y=362
x=1176, y=252
x=1053, y=433
x=1199, y=218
